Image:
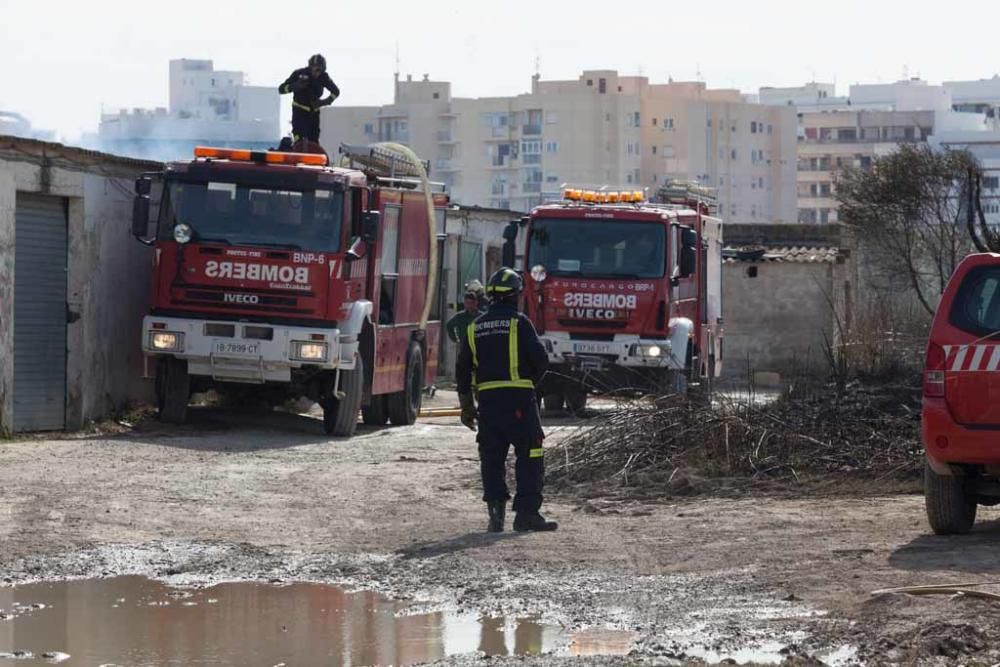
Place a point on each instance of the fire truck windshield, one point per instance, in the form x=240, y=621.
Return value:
x=598, y=248
x=239, y=214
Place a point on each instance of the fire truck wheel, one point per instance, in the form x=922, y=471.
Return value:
x=576, y=401
x=377, y=413
x=173, y=390
x=553, y=402
x=340, y=417
x=405, y=405
x=951, y=507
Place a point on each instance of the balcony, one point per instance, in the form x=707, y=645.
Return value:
x=444, y=164
x=444, y=137
x=531, y=187
x=532, y=130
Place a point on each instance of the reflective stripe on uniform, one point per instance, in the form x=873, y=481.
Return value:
x=536, y=453
x=470, y=333
x=287, y=88
x=506, y=384
x=512, y=352
x=303, y=106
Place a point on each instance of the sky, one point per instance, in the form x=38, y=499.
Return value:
x=62, y=62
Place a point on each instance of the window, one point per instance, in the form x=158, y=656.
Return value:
x=552, y=147
x=824, y=216
x=991, y=182
x=437, y=96
x=668, y=123
x=847, y=134
x=390, y=265
x=551, y=178
x=590, y=82
x=977, y=305
x=769, y=129
x=654, y=150
x=654, y=122
x=369, y=128
x=753, y=127
x=602, y=86
x=636, y=121
x=733, y=154
x=760, y=183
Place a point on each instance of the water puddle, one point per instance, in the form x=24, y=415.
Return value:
x=136, y=621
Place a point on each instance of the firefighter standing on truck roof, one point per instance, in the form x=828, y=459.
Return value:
x=307, y=85
x=502, y=359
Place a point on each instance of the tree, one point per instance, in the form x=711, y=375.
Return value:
x=911, y=209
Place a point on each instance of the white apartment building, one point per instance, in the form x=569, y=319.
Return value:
x=206, y=106
x=836, y=132
x=601, y=129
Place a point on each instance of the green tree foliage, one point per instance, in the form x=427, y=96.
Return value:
x=911, y=211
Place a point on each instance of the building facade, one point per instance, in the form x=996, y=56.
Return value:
x=601, y=129
x=206, y=106
x=838, y=132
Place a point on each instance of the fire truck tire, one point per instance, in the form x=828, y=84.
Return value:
x=951, y=507
x=340, y=417
x=404, y=406
x=576, y=401
x=376, y=413
x=173, y=390
x=553, y=402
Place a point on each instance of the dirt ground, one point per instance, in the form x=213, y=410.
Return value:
x=268, y=496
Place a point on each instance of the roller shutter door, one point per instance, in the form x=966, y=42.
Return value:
x=40, y=265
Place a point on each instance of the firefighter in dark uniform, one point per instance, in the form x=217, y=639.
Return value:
x=307, y=85
x=502, y=360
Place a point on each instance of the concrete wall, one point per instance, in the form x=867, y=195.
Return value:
x=777, y=320
x=107, y=280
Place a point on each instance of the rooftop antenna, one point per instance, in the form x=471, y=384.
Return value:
x=906, y=72
x=397, y=59
x=697, y=72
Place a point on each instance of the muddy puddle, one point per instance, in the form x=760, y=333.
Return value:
x=136, y=621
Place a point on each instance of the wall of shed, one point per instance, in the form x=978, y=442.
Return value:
x=108, y=277
x=779, y=320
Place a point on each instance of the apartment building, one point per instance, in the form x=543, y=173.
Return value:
x=601, y=129
x=206, y=106
x=871, y=121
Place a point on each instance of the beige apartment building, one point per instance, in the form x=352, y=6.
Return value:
x=601, y=129
x=832, y=140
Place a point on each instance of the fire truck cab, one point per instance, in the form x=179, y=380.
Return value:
x=276, y=275
x=626, y=294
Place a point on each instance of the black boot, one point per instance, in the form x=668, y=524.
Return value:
x=524, y=521
x=497, y=509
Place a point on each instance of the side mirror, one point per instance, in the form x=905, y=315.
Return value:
x=369, y=226
x=689, y=261
x=689, y=238
x=143, y=185
x=357, y=250
x=140, y=215
x=510, y=231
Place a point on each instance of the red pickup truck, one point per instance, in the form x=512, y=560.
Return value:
x=961, y=398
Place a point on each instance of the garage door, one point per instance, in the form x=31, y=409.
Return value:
x=39, y=313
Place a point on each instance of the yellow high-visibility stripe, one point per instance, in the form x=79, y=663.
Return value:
x=512, y=352
x=287, y=88
x=470, y=334
x=506, y=384
x=536, y=453
x=304, y=106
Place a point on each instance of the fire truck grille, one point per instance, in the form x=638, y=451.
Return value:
x=591, y=324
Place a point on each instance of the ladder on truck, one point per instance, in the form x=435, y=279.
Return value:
x=688, y=192
x=382, y=161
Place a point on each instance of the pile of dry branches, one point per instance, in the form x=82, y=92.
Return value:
x=829, y=439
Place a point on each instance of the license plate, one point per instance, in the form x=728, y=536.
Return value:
x=592, y=348
x=231, y=347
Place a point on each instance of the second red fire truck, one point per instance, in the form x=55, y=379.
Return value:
x=625, y=293
x=279, y=273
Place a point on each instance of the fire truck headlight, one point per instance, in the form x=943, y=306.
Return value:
x=165, y=341
x=538, y=273
x=302, y=351
x=182, y=233
x=653, y=351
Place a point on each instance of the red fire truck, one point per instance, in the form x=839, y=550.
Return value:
x=625, y=294
x=278, y=273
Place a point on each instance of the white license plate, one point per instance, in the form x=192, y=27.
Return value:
x=592, y=348
x=233, y=347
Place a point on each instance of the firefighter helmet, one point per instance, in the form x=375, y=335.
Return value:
x=317, y=61
x=504, y=283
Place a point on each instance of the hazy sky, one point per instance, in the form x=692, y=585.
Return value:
x=61, y=61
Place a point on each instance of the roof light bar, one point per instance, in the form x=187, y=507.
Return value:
x=267, y=157
x=600, y=197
